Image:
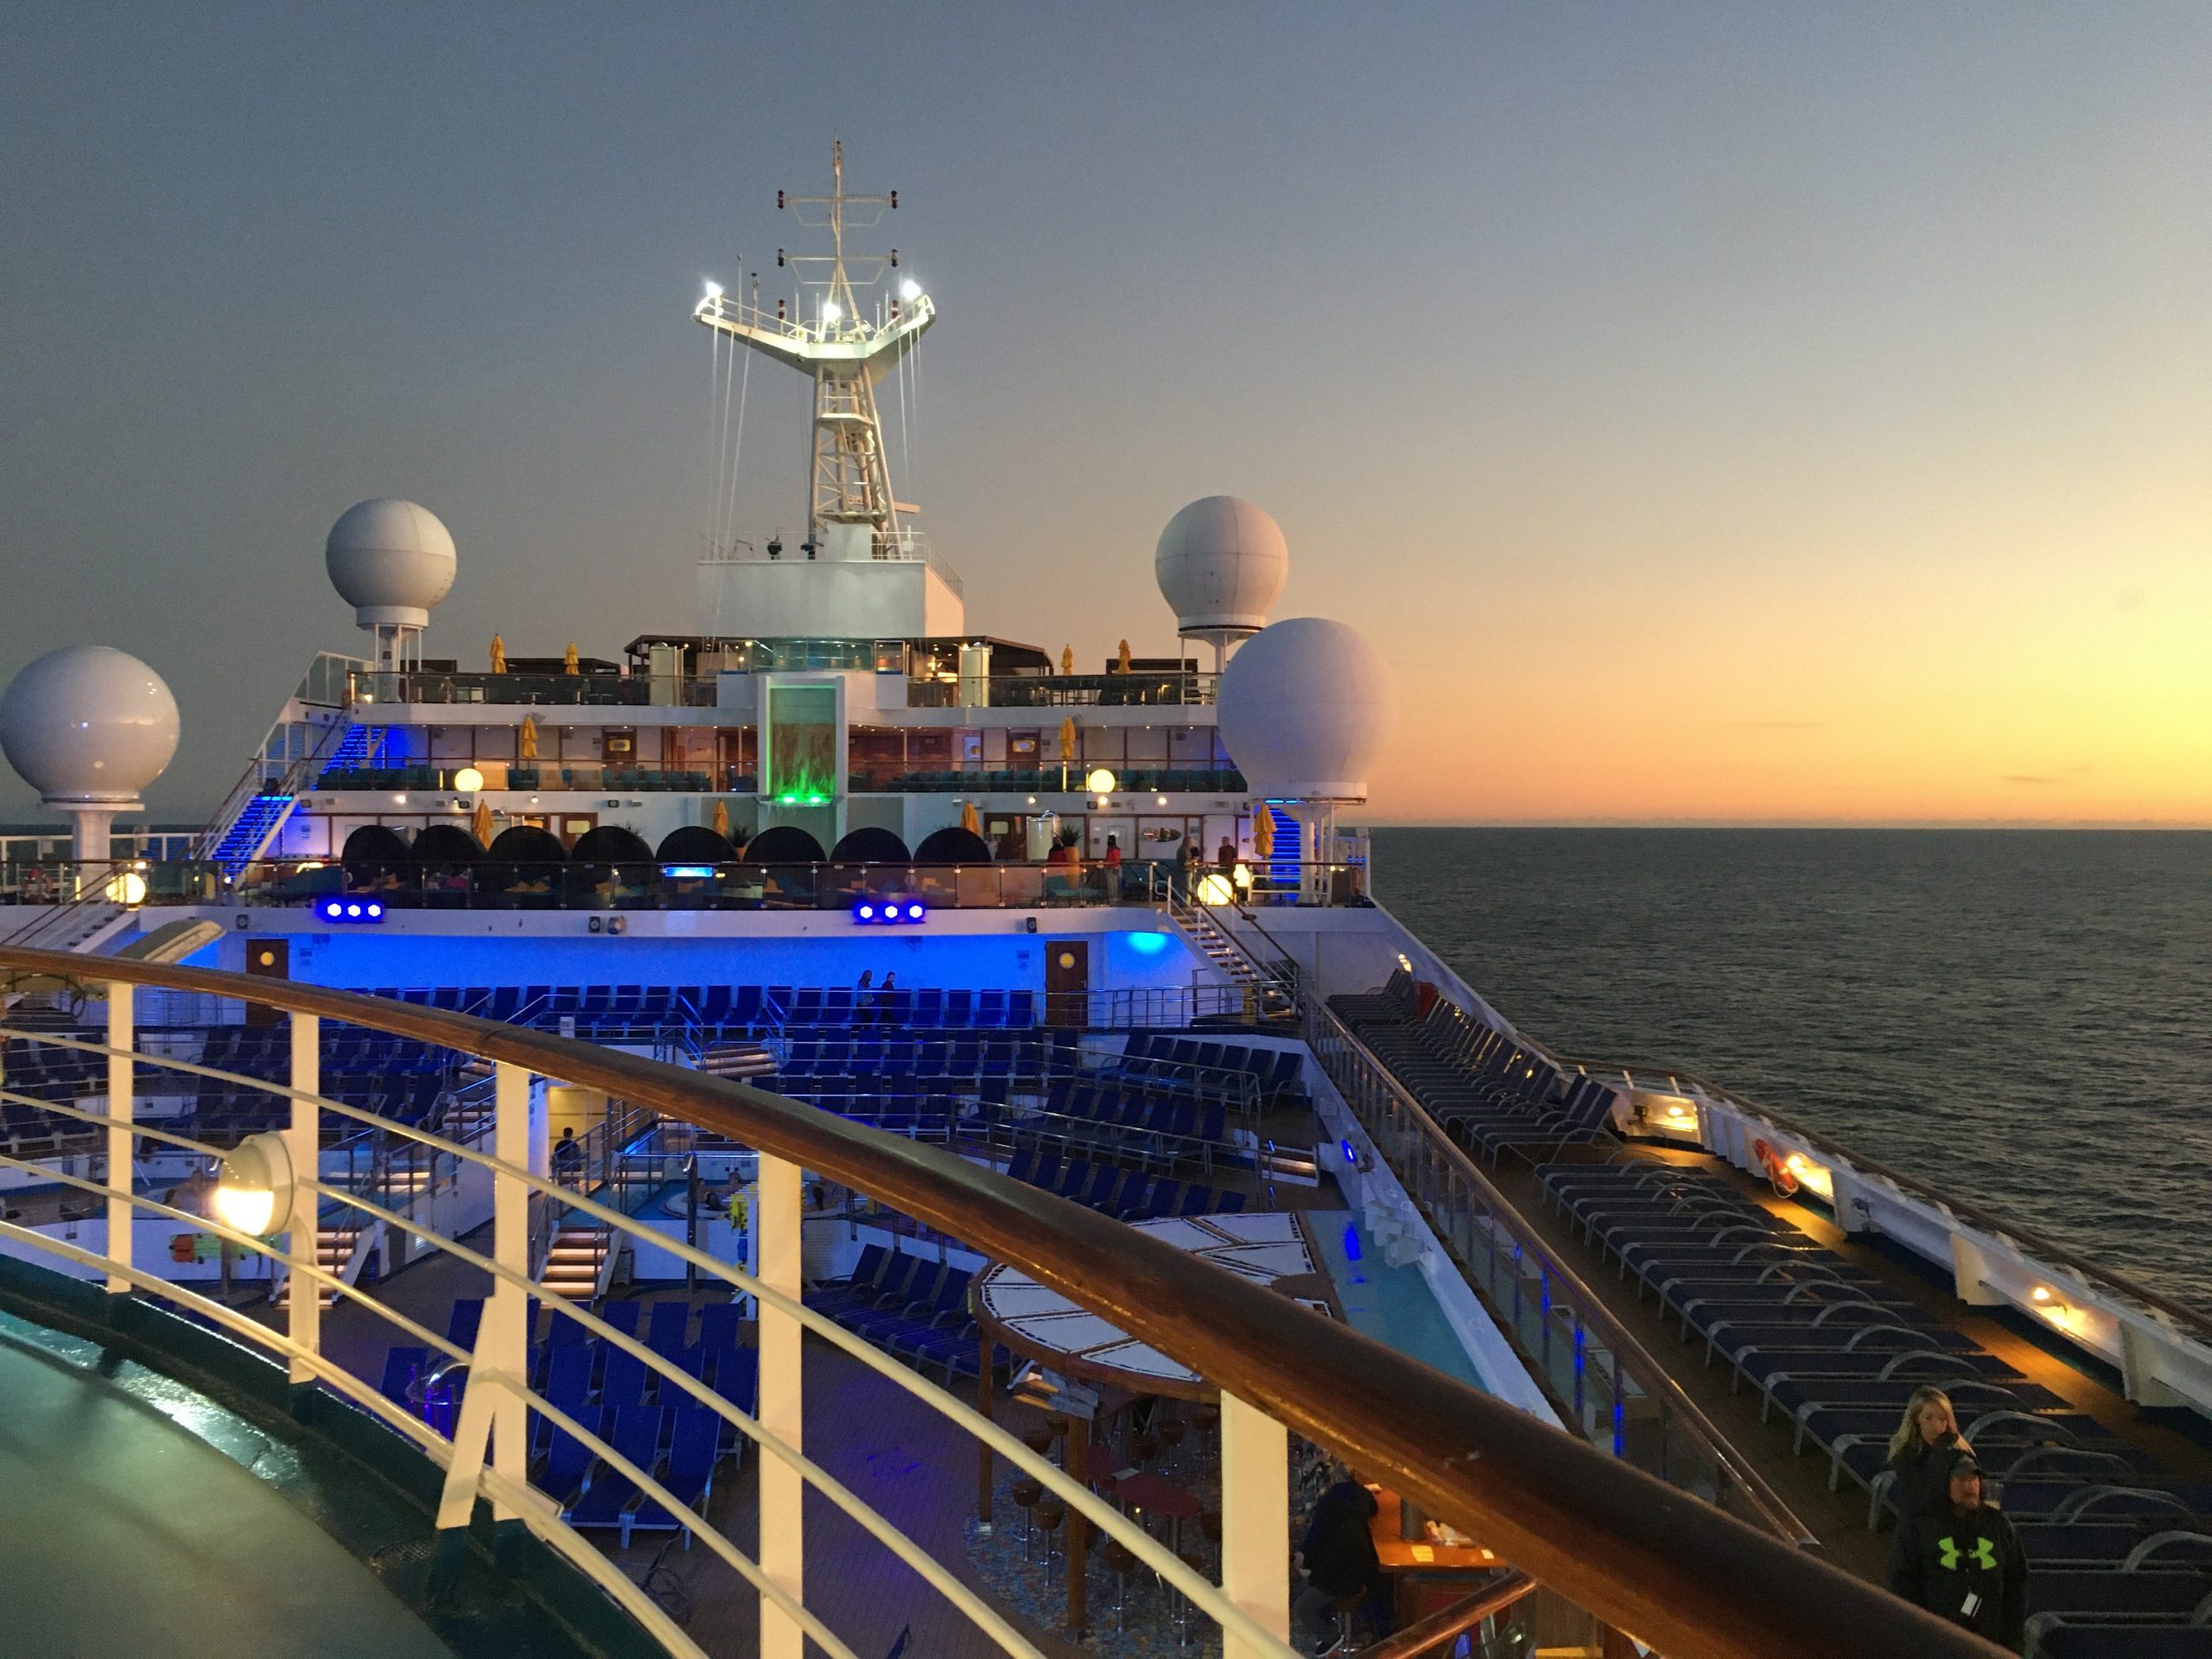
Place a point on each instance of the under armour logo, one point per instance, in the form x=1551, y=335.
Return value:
x=1984, y=1555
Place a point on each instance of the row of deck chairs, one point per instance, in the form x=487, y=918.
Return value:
x=1026, y=1059
x=1125, y=1194
x=734, y=1010
x=1278, y=1073
x=914, y=1306
x=899, y=1104
x=1487, y=1092
x=47, y=1072
x=2119, y=1550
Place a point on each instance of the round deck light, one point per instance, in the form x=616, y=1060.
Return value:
x=254, y=1193
x=1100, y=782
x=128, y=889
x=468, y=781
x=1215, y=890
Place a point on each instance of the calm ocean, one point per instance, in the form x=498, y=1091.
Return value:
x=2022, y=1017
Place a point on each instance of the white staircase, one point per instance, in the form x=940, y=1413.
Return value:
x=334, y=1254
x=1204, y=933
x=575, y=1263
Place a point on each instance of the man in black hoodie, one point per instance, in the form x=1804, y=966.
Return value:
x=1962, y=1561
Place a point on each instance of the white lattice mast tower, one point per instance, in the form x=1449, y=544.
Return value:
x=851, y=509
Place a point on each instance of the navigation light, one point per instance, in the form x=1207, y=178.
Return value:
x=910, y=289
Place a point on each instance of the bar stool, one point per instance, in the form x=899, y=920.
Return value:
x=1348, y=1611
x=1171, y=1431
x=1050, y=1512
x=1056, y=1426
x=1210, y=1530
x=1121, y=1560
x=1025, y=1494
x=1188, y=1615
x=1144, y=1447
x=1205, y=1423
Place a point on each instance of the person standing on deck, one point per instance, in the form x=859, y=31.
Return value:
x=1963, y=1563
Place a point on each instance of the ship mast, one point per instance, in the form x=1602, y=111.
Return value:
x=851, y=510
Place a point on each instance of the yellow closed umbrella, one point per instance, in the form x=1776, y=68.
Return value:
x=721, y=819
x=569, y=659
x=526, y=744
x=479, y=825
x=498, y=655
x=1067, y=741
x=1263, y=833
x=1123, y=666
x=970, y=820
x=1067, y=660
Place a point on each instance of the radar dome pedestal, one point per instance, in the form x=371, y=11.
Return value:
x=89, y=727
x=1221, y=563
x=1305, y=709
x=391, y=561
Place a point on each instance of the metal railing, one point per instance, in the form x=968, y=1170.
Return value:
x=1600, y=1376
x=1137, y=688
x=1637, y=1552
x=489, y=884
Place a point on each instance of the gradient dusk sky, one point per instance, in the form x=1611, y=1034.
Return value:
x=1713, y=413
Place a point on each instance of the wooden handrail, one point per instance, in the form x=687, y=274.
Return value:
x=1447, y=1623
x=1639, y=1553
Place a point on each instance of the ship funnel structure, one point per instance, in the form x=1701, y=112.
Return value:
x=391, y=561
x=89, y=728
x=1221, y=564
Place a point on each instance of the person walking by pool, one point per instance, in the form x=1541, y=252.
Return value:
x=1921, y=1452
x=1962, y=1561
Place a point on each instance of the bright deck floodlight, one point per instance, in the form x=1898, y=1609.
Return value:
x=254, y=1192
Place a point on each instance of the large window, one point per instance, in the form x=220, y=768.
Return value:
x=802, y=745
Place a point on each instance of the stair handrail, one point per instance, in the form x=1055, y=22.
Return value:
x=90, y=896
x=255, y=781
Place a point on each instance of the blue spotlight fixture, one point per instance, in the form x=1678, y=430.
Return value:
x=899, y=911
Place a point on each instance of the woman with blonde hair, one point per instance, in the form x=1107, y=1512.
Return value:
x=1920, y=1451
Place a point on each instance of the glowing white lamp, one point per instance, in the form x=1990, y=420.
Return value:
x=1215, y=889
x=910, y=289
x=469, y=780
x=1102, y=781
x=254, y=1193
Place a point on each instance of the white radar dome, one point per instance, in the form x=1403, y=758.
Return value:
x=1305, y=706
x=1221, y=564
x=391, y=561
x=88, y=725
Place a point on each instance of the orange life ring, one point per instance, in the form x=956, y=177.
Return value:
x=1777, y=1171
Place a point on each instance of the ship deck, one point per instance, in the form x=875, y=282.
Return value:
x=1837, y=1518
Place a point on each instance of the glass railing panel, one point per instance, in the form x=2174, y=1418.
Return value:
x=1599, y=1379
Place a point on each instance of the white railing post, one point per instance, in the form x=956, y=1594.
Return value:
x=304, y=1142
x=122, y=1215
x=1255, y=1520
x=502, y=1351
x=503, y=1343
x=776, y=1222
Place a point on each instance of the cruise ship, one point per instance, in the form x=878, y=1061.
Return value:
x=828, y=1129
